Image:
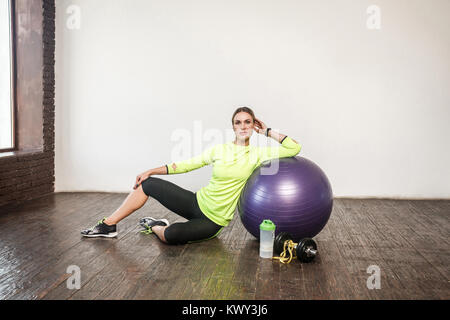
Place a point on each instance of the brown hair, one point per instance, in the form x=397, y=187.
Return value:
x=243, y=109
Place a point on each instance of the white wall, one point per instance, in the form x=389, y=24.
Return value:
x=370, y=107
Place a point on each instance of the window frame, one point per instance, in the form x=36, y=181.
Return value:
x=13, y=76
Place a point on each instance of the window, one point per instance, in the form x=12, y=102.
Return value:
x=7, y=141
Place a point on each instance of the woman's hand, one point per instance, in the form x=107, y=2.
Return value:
x=143, y=176
x=259, y=126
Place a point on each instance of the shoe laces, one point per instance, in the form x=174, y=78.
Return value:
x=148, y=230
x=98, y=223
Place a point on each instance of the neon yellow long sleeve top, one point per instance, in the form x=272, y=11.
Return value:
x=232, y=166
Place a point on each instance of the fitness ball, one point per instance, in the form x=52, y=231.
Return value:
x=297, y=198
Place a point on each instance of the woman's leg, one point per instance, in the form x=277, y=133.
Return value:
x=178, y=200
x=193, y=230
x=168, y=194
x=159, y=231
x=133, y=202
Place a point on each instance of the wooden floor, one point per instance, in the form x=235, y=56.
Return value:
x=39, y=240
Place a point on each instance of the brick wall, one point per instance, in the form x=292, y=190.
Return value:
x=29, y=173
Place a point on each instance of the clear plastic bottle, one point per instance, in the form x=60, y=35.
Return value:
x=266, y=238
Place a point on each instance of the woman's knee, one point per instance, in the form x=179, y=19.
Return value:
x=148, y=185
x=140, y=190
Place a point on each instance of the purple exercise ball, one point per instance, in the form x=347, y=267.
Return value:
x=297, y=198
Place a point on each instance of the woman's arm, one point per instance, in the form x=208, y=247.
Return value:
x=160, y=170
x=261, y=128
x=288, y=148
x=146, y=174
x=179, y=167
x=276, y=136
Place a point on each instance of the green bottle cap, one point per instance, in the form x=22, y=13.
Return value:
x=267, y=225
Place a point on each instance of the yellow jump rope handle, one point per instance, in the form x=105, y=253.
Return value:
x=288, y=247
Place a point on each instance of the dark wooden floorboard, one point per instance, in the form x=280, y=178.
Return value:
x=407, y=239
x=52, y=235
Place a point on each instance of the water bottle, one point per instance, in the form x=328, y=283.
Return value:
x=267, y=235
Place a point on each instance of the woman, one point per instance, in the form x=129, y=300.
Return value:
x=212, y=208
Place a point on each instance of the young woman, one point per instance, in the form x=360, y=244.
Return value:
x=212, y=208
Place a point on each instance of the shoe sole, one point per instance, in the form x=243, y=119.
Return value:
x=109, y=235
x=163, y=220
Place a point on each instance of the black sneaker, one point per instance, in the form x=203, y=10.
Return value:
x=100, y=230
x=149, y=222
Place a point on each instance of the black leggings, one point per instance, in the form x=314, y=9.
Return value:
x=184, y=203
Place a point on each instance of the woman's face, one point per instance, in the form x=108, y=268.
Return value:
x=243, y=126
